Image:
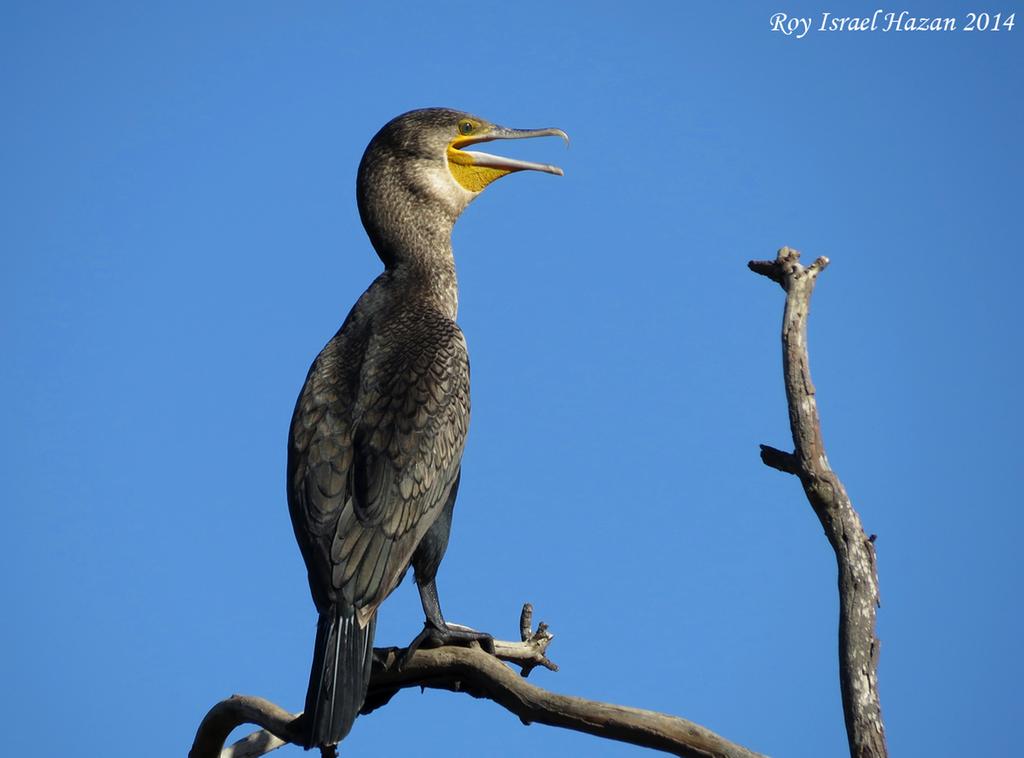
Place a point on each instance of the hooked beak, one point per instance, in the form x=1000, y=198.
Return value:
x=497, y=162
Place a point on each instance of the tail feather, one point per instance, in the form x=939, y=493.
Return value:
x=342, y=658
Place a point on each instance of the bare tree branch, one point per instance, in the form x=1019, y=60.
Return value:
x=471, y=670
x=278, y=728
x=855, y=552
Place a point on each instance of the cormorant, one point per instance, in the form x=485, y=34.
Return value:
x=376, y=439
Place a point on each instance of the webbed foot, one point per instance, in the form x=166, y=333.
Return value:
x=434, y=635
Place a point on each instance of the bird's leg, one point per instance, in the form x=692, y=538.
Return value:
x=439, y=631
x=436, y=631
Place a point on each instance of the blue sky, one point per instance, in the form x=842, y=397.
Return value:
x=179, y=238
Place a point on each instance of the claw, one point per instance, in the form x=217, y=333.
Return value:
x=405, y=655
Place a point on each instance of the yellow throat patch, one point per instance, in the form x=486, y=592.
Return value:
x=468, y=174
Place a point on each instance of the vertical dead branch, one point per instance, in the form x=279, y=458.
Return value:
x=855, y=552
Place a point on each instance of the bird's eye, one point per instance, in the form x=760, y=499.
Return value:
x=465, y=127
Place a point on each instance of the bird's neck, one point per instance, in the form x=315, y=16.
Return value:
x=429, y=280
x=408, y=208
x=412, y=235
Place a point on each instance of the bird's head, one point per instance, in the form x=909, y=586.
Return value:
x=417, y=176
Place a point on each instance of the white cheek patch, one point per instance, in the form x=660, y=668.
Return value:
x=443, y=185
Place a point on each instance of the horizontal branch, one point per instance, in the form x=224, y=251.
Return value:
x=482, y=675
x=475, y=672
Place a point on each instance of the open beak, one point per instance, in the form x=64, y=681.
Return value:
x=502, y=164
